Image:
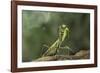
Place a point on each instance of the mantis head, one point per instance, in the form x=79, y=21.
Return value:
x=63, y=31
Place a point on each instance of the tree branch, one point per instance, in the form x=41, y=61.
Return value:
x=83, y=54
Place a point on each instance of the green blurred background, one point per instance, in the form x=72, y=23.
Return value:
x=41, y=27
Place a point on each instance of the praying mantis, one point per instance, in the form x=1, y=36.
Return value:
x=54, y=48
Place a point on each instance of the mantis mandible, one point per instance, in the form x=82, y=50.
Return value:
x=63, y=33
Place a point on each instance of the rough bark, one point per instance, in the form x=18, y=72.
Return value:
x=83, y=54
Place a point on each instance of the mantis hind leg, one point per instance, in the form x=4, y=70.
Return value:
x=44, y=49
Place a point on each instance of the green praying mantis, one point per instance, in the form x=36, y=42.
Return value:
x=54, y=48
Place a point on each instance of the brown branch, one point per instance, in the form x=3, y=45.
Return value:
x=83, y=54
